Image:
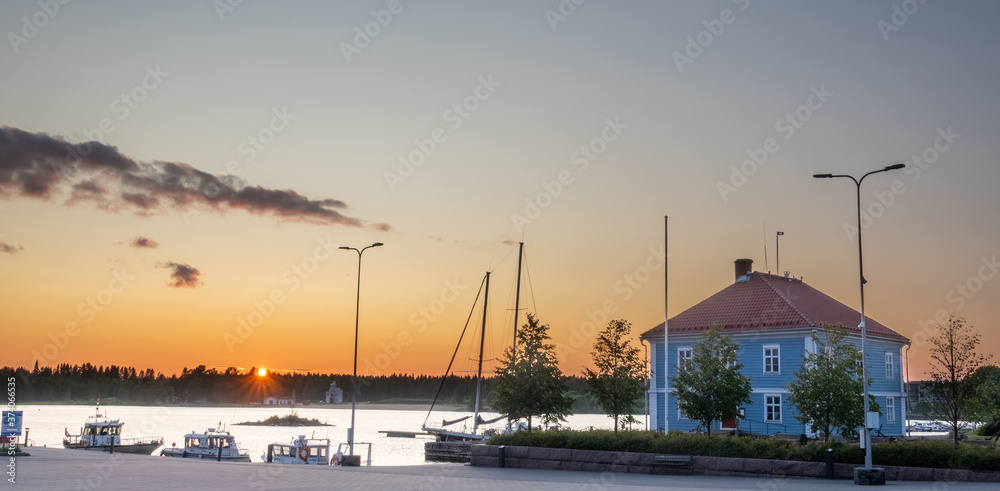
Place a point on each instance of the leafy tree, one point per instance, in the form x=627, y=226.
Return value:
x=529, y=382
x=953, y=361
x=620, y=379
x=710, y=386
x=827, y=389
x=986, y=381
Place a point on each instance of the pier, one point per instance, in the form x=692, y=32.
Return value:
x=54, y=468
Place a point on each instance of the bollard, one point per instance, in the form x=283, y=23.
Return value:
x=502, y=454
x=829, y=463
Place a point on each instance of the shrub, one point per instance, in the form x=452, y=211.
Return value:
x=916, y=453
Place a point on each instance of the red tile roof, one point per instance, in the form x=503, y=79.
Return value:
x=769, y=302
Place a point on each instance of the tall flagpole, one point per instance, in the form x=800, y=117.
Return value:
x=666, y=351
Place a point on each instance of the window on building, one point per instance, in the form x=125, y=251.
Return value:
x=683, y=357
x=680, y=412
x=772, y=356
x=890, y=409
x=888, y=365
x=772, y=408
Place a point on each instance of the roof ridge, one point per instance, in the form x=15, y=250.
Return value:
x=787, y=300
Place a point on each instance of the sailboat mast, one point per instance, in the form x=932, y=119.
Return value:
x=517, y=294
x=482, y=341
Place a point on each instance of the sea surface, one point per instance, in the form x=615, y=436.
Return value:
x=46, y=426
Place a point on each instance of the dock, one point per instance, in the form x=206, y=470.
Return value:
x=405, y=434
x=56, y=468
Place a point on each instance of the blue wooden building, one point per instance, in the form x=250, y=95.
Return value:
x=772, y=318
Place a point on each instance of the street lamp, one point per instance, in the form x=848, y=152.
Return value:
x=357, y=312
x=862, y=281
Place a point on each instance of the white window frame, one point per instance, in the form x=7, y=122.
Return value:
x=777, y=357
x=681, y=359
x=890, y=372
x=768, y=404
x=680, y=412
x=890, y=409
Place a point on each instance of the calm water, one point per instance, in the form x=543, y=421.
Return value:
x=46, y=425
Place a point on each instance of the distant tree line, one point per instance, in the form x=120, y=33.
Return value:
x=84, y=384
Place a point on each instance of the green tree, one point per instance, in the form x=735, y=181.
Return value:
x=529, y=382
x=620, y=379
x=710, y=386
x=987, y=386
x=827, y=390
x=953, y=362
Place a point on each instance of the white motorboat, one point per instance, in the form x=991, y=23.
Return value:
x=302, y=450
x=213, y=444
x=104, y=434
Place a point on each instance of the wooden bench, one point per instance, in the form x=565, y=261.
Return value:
x=673, y=464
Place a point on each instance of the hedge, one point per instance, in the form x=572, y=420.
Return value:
x=914, y=453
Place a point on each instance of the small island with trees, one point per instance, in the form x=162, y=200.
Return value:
x=287, y=420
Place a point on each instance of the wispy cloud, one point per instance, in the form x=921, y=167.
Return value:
x=183, y=275
x=10, y=249
x=144, y=242
x=39, y=166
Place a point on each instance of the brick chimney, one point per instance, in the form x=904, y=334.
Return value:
x=743, y=267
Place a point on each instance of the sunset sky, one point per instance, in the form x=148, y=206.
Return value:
x=240, y=146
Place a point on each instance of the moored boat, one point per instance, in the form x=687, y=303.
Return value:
x=302, y=450
x=213, y=444
x=104, y=434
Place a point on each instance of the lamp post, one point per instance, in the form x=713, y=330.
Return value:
x=357, y=313
x=862, y=281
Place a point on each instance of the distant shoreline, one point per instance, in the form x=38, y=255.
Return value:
x=380, y=406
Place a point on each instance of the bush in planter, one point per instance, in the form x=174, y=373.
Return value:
x=921, y=453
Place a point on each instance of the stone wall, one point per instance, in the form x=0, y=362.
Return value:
x=642, y=463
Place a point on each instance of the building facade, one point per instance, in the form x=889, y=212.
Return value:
x=772, y=319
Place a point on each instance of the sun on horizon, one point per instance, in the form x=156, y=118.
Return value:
x=262, y=371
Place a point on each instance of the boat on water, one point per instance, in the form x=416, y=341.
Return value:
x=302, y=451
x=452, y=443
x=102, y=433
x=213, y=444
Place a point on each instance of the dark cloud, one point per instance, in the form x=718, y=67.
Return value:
x=183, y=275
x=10, y=249
x=144, y=242
x=36, y=165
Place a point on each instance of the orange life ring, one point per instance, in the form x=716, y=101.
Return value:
x=304, y=453
x=335, y=459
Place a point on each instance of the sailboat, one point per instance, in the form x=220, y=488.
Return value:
x=452, y=444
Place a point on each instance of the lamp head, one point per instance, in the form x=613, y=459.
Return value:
x=344, y=248
x=895, y=166
x=377, y=244
x=822, y=176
